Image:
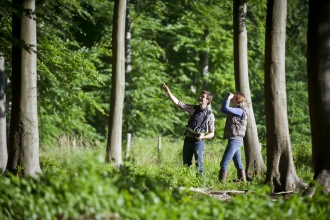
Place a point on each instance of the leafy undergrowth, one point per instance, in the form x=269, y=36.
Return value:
x=91, y=189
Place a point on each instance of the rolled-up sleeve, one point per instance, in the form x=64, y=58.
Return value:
x=186, y=107
x=211, y=124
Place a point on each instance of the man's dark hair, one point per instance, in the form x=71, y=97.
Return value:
x=209, y=96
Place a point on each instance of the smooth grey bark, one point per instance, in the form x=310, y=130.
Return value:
x=28, y=102
x=281, y=173
x=254, y=161
x=114, y=144
x=318, y=74
x=3, y=124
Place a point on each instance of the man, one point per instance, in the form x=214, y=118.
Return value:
x=200, y=126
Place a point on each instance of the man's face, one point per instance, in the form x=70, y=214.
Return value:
x=203, y=100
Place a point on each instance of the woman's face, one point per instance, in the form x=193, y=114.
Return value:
x=234, y=100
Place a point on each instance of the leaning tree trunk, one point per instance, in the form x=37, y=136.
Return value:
x=281, y=173
x=114, y=144
x=3, y=125
x=318, y=71
x=253, y=157
x=15, y=130
x=28, y=102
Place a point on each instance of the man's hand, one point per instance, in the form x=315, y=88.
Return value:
x=201, y=137
x=172, y=97
x=166, y=89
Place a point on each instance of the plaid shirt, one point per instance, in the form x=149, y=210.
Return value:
x=191, y=108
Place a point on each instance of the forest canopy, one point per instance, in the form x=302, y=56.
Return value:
x=168, y=40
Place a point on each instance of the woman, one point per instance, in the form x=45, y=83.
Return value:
x=234, y=132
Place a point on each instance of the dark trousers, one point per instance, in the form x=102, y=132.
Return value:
x=196, y=149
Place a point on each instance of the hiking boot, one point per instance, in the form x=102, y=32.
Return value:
x=222, y=175
x=241, y=175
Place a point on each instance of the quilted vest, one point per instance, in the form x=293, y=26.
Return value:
x=235, y=127
x=199, y=122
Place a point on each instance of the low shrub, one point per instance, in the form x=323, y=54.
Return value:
x=78, y=184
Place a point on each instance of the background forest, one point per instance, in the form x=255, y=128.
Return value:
x=189, y=46
x=169, y=41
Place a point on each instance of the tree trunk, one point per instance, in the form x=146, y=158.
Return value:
x=318, y=72
x=28, y=102
x=128, y=53
x=205, y=61
x=114, y=145
x=253, y=157
x=281, y=173
x=128, y=68
x=3, y=124
x=15, y=129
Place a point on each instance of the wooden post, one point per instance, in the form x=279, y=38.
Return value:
x=159, y=143
x=128, y=144
x=74, y=143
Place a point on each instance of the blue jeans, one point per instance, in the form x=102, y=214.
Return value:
x=233, y=151
x=193, y=148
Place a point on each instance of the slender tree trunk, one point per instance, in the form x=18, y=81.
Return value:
x=205, y=61
x=15, y=129
x=253, y=157
x=281, y=173
x=3, y=124
x=114, y=145
x=128, y=68
x=28, y=102
x=318, y=71
x=128, y=53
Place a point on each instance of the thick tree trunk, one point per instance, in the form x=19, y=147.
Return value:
x=253, y=157
x=281, y=173
x=15, y=129
x=318, y=71
x=28, y=102
x=3, y=124
x=114, y=145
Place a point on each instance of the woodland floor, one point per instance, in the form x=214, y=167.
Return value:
x=226, y=195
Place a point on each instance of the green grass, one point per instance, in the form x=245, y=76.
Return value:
x=77, y=184
x=168, y=163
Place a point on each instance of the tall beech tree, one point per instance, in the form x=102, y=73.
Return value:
x=114, y=144
x=253, y=157
x=15, y=130
x=3, y=124
x=281, y=173
x=318, y=72
x=28, y=103
x=24, y=143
